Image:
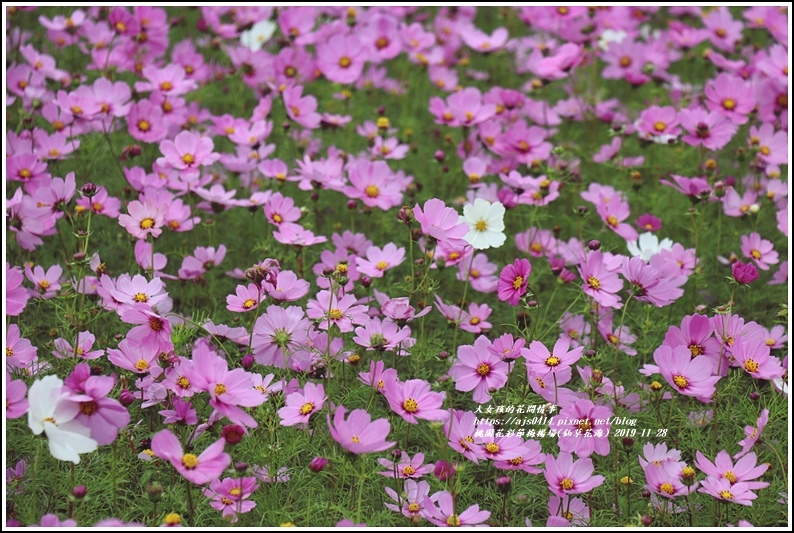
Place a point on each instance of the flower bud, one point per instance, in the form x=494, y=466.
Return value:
x=443, y=354
x=594, y=245
x=406, y=215
x=352, y=205
x=688, y=475
x=366, y=281
x=154, y=491
x=503, y=484
x=396, y=454
x=232, y=434
x=79, y=492
x=89, y=189
x=754, y=209
x=443, y=470
x=318, y=464
x=241, y=466
x=754, y=395
x=440, y=155
x=744, y=273
x=646, y=494
x=646, y=520
x=248, y=361
x=126, y=398
x=628, y=443
x=582, y=210
x=79, y=256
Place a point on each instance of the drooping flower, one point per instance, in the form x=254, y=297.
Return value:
x=441, y=222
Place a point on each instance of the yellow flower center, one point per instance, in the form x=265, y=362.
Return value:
x=612, y=221
x=44, y=284
x=593, y=282
x=695, y=350
x=585, y=425
x=290, y=72
x=667, y=488
x=189, y=461
x=453, y=520
x=249, y=303
x=566, y=483
x=492, y=447
x=88, y=408
x=141, y=365
x=413, y=507
x=9, y=351
x=751, y=366
x=484, y=369
x=155, y=324
x=147, y=223
x=344, y=61
x=97, y=207
x=410, y=405
x=226, y=501
x=659, y=126
x=173, y=519
x=729, y=103
x=355, y=439
x=220, y=388
x=518, y=282
x=166, y=86
x=144, y=125
x=183, y=382
x=54, y=152
x=730, y=476
x=552, y=361
x=306, y=408
x=188, y=159
x=372, y=191
x=481, y=225
x=726, y=495
x=409, y=470
x=756, y=254
x=25, y=174
x=765, y=150
x=77, y=110
x=474, y=320
x=612, y=339
x=381, y=265
x=140, y=297
x=680, y=381
x=721, y=32
x=335, y=314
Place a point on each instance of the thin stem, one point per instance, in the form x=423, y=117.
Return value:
x=462, y=305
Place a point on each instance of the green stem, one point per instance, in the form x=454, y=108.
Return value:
x=462, y=305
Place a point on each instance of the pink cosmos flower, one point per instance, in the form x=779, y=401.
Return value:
x=614, y=212
x=341, y=59
x=383, y=336
x=102, y=415
x=245, y=298
x=301, y=405
x=444, y=515
x=144, y=219
x=401, y=311
x=379, y=260
x=441, y=222
x=301, y=109
x=772, y=145
x=152, y=330
x=375, y=184
x=657, y=121
x=413, y=400
x=182, y=412
x=688, y=376
x=16, y=404
x=296, y=235
x=513, y=279
x=186, y=153
x=752, y=354
x=80, y=348
x=378, y=376
x=476, y=319
x=47, y=283
x=540, y=361
x=328, y=309
x=101, y=204
x=170, y=80
x=761, y=251
x=724, y=31
x=278, y=333
x=723, y=489
x=583, y=428
x=412, y=502
x=664, y=481
x=407, y=467
x=566, y=476
x=287, y=287
x=708, y=129
x=752, y=434
x=231, y=496
x=730, y=96
x=208, y=466
x=389, y=148
x=600, y=283
x=745, y=469
x=476, y=368
x=648, y=285
x=358, y=433
x=280, y=209
x=135, y=356
x=649, y=222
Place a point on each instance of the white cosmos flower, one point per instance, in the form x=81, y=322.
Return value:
x=258, y=35
x=647, y=246
x=52, y=412
x=486, y=224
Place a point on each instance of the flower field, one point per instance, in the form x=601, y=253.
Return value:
x=397, y=266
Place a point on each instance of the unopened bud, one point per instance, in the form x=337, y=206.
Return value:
x=366, y=281
x=89, y=189
x=396, y=454
x=594, y=245
x=440, y=155
x=754, y=395
x=503, y=484
x=126, y=398
x=232, y=434
x=241, y=466
x=248, y=361
x=79, y=492
x=154, y=491
x=318, y=464
x=79, y=256
x=443, y=355
x=628, y=443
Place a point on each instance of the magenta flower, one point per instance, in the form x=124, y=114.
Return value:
x=201, y=469
x=413, y=400
x=379, y=260
x=383, y=336
x=16, y=404
x=761, y=251
x=135, y=356
x=16, y=295
x=664, y=480
x=583, y=428
x=102, y=415
x=153, y=330
x=648, y=285
x=696, y=333
x=444, y=515
x=600, y=283
x=375, y=184
x=476, y=368
x=280, y=209
x=513, y=279
x=688, y=376
x=231, y=496
x=566, y=476
x=359, y=434
x=656, y=121
x=169, y=81
x=708, y=129
x=287, y=287
x=744, y=273
x=614, y=212
x=301, y=405
x=378, y=376
x=648, y=222
x=47, y=283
